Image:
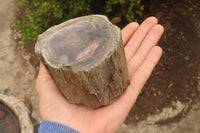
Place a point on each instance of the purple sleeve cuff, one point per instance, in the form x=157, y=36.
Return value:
x=54, y=127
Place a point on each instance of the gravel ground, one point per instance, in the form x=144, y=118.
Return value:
x=17, y=75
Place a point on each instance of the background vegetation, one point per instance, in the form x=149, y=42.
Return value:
x=41, y=14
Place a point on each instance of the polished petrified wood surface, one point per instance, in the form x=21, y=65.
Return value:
x=8, y=121
x=85, y=57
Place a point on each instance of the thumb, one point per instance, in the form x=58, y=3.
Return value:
x=51, y=101
x=45, y=86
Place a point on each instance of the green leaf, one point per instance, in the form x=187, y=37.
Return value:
x=41, y=14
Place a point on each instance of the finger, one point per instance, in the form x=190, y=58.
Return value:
x=150, y=40
x=45, y=86
x=139, y=36
x=126, y=101
x=128, y=31
x=143, y=72
x=38, y=36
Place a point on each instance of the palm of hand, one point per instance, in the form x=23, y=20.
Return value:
x=142, y=56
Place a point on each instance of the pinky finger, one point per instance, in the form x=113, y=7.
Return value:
x=126, y=101
x=139, y=78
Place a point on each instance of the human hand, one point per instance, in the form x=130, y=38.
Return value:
x=142, y=55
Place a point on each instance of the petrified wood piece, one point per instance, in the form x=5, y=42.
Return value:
x=14, y=116
x=85, y=57
x=8, y=121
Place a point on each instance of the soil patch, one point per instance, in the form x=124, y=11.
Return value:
x=175, y=76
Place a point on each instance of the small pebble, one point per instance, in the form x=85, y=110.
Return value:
x=157, y=110
x=137, y=118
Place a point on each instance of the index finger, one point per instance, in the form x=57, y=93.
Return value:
x=128, y=31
